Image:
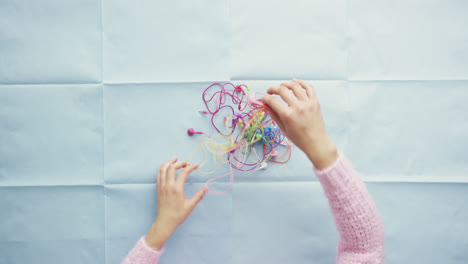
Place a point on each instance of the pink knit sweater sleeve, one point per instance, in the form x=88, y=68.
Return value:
x=143, y=254
x=356, y=216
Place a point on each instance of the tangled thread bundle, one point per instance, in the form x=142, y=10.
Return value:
x=246, y=136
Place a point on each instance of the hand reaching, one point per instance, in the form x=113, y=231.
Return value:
x=301, y=120
x=173, y=206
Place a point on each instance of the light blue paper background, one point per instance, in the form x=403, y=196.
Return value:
x=94, y=95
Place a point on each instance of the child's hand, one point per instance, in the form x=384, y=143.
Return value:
x=173, y=206
x=301, y=120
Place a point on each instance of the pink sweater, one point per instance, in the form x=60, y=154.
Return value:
x=356, y=218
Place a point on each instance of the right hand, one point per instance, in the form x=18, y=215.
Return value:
x=301, y=120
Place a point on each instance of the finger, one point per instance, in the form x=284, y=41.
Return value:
x=308, y=87
x=275, y=118
x=171, y=172
x=296, y=88
x=164, y=170
x=158, y=177
x=197, y=197
x=183, y=175
x=180, y=164
x=284, y=92
x=275, y=104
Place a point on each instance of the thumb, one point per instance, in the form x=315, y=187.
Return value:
x=197, y=197
x=275, y=118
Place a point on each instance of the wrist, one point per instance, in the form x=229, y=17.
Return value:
x=322, y=155
x=158, y=235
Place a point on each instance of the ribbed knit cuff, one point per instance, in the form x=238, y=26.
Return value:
x=142, y=253
x=337, y=175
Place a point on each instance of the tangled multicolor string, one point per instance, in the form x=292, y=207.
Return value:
x=246, y=136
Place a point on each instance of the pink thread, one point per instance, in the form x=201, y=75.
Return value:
x=254, y=125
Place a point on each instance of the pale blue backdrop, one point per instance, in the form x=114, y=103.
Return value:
x=94, y=95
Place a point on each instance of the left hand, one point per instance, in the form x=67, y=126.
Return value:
x=173, y=206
